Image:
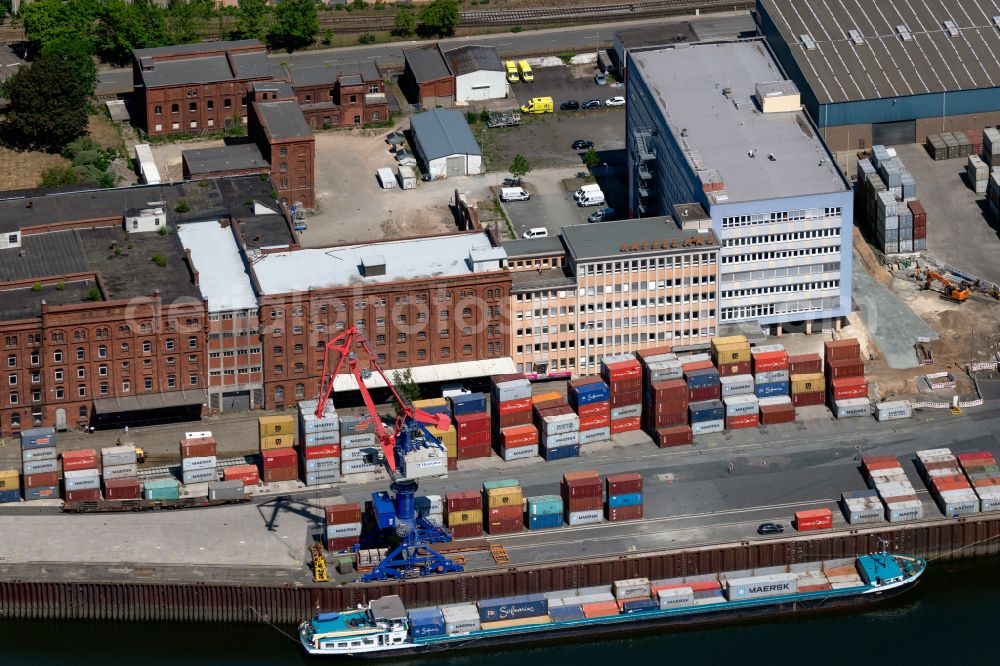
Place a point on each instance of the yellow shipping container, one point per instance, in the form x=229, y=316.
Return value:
x=430, y=402
x=276, y=425
x=808, y=383
x=469, y=517
x=729, y=340
x=271, y=442
x=735, y=353
x=542, y=397
x=9, y=479
x=519, y=622
x=498, y=497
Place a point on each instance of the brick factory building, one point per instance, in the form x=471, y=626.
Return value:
x=426, y=79
x=610, y=288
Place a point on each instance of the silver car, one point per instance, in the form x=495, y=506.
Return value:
x=602, y=215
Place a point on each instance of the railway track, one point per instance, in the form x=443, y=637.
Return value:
x=649, y=8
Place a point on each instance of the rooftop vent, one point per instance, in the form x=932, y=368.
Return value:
x=951, y=28
x=373, y=265
x=996, y=21
x=904, y=33
x=856, y=37
x=808, y=42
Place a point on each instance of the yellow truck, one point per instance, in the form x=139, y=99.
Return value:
x=512, y=71
x=525, y=69
x=538, y=105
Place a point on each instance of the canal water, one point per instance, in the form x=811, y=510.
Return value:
x=949, y=618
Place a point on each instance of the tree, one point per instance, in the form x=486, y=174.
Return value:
x=439, y=18
x=295, y=24
x=591, y=158
x=46, y=21
x=58, y=175
x=48, y=104
x=75, y=53
x=181, y=22
x=405, y=22
x=406, y=387
x=123, y=26
x=520, y=166
x=252, y=18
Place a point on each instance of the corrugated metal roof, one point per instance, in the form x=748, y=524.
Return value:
x=443, y=132
x=328, y=73
x=473, y=58
x=42, y=255
x=426, y=63
x=859, y=49
x=283, y=120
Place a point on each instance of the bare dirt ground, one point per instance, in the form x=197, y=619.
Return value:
x=168, y=156
x=103, y=131
x=19, y=170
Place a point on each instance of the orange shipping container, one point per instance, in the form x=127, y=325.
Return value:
x=697, y=365
x=542, y=397
x=600, y=609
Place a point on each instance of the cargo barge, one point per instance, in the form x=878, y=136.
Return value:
x=384, y=628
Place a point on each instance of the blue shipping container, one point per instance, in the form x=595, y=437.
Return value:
x=38, y=438
x=42, y=492
x=702, y=378
x=855, y=494
x=512, y=608
x=771, y=389
x=561, y=452
x=566, y=613
x=629, y=499
x=424, y=626
x=437, y=409
x=468, y=403
x=707, y=410
x=545, y=522
x=640, y=605
x=589, y=394
x=7, y=496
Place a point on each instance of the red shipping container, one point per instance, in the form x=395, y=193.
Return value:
x=622, y=370
x=279, y=458
x=742, y=421
x=919, y=232
x=91, y=495
x=464, y=500
x=514, y=419
x=705, y=393
x=845, y=368
x=467, y=531
x=808, y=399
x=509, y=526
x=664, y=419
x=342, y=514
x=643, y=354
x=731, y=369
x=985, y=456
x=501, y=513
x=122, y=489
x=575, y=485
x=668, y=406
x=769, y=361
x=625, y=425
x=603, y=407
x=626, y=398
x=670, y=389
x=618, y=514
x=849, y=387
x=918, y=211
x=474, y=440
x=473, y=452
x=281, y=474
x=198, y=447
x=524, y=435
x=674, y=436
x=595, y=422
x=584, y=381
x=839, y=350
x=468, y=424
x=624, y=484
x=691, y=366
x=248, y=474
x=324, y=451
x=572, y=505
x=625, y=385
x=512, y=406
x=554, y=411
x=804, y=364
x=944, y=486
x=500, y=379
x=549, y=404
x=813, y=519
x=76, y=462
x=775, y=414
x=344, y=543
x=42, y=479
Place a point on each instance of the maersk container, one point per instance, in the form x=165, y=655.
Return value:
x=7, y=496
x=852, y=408
x=893, y=410
x=989, y=498
x=517, y=389
x=467, y=403
x=33, y=455
x=226, y=490
x=771, y=389
x=520, y=452
x=566, y=613
x=512, y=608
x=560, y=423
x=596, y=435
x=545, y=522
x=740, y=405
x=82, y=483
x=630, y=499
x=630, y=588
x=675, y=597
x=460, y=618
x=359, y=441
x=737, y=385
x=320, y=477
x=41, y=492
x=309, y=424
x=771, y=377
x=757, y=587
x=661, y=371
x=428, y=504
x=343, y=530
x=366, y=453
x=593, y=517
x=705, y=378
x=954, y=503
x=40, y=466
x=545, y=505
x=626, y=412
x=563, y=439
x=896, y=512
x=320, y=464
x=707, y=427
x=38, y=438
x=707, y=410
x=320, y=438
x=200, y=462
x=199, y=476
x=123, y=471
x=560, y=452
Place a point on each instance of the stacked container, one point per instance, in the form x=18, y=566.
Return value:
x=991, y=146
x=279, y=462
x=582, y=497
x=666, y=412
x=198, y=459
x=465, y=513
x=813, y=519
x=886, y=475
x=977, y=173
x=447, y=437
x=342, y=526
x=503, y=505
x=426, y=622
x=861, y=506
x=806, y=380
x=591, y=398
x=707, y=417
x=558, y=426
x=431, y=507
x=248, y=474
x=845, y=377
x=919, y=225
x=319, y=443
x=10, y=486
x=770, y=371
x=888, y=187
x=731, y=355
x=161, y=489
x=121, y=472
x=40, y=465
x=623, y=373
x=472, y=426
x=947, y=483
x=359, y=445
x=81, y=476
x=545, y=512
x=624, y=497
x=983, y=473
x=514, y=435
x=742, y=411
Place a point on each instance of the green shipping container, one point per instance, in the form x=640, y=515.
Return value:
x=545, y=505
x=161, y=489
x=507, y=483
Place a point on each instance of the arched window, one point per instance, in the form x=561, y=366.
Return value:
x=300, y=391
x=279, y=392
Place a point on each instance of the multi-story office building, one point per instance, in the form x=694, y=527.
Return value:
x=610, y=288
x=720, y=126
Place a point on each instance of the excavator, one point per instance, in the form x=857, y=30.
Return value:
x=952, y=291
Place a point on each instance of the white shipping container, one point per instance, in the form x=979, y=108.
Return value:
x=592, y=517
x=520, y=452
x=358, y=441
x=739, y=405
x=626, y=412
x=199, y=462
x=321, y=438
x=954, y=503
x=435, y=519
x=675, y=597
x=774, y=400
x=359, y=454
x=195, y=434
x=661, y=371
x=80, y=474
x=428, y=504
x=321, y=477
x=852, y=408
x=989, y=498
x=121, y=471
x=82, y=483
x=694, y=358
x=896, y=512
x=771, y=376
x=935, y=455
x=308, y=423
x=560, y=423
x=764, y=349
x=707, y=427
x=460, y=618
x=321, y=464
x=944, y=471
x=334, y=531
x=596, y=435
x=42, y=466
x=755, y=587
x=893, y=410
x=199, y=476
x=737, y=385
x=420, y=466
x=515, y=389
x=118, y=455
x=630, y=588
x=357, y=466
x=564, y=439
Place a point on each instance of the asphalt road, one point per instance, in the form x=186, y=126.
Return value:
x=114, y=81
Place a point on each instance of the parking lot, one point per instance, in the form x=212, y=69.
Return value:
x=569, y=82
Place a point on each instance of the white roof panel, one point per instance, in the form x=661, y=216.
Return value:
x=222, y=276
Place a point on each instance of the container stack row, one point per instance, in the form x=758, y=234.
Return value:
x=981, y=470
x=624, y=497
x=664, y=398
x=889, y=193
x=977, y=173
x=359, y=445
x=81, y=476
x=278, y=459
x=846, y=386
x=320, y=454
x=590, y=397
x=514, y=433
x=198, y=458
x=503, y=504
x=623, y=374
x=558, y=426
x=583, y=497
x=447, y=437
x=342, y=526
x=465, y=513
x=885, y=475
x=544, y=512
x=948, y=485
x=472, y=427
x=39, y=464
x=861, y=506
x=121, y=472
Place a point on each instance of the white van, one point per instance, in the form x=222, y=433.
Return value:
x=593, y=187
x=514, y=194
x=591, y=199
x=536, y=232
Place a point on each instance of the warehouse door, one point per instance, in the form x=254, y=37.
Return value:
x=235, y=401
x=456, y=166
x=479, y=93
x=894, y=134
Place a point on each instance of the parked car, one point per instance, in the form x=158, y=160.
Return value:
x=514, y=194
x=615, y=101
x=602, y=215
x=592, y=104
x=770, y=528
x=571, y=105
x=582, y=144
x=536, y=232
x=600, y=80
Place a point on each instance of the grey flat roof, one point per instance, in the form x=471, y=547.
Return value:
x=530, y=247
x=43, y=255
x=319, y=268
x=473, y=58
x=254, y=65
x=24, y=302
x=328, y=73
x=443, y=132
x=426, y=63
x=206, y=69
x=550, y=278
x=655, y=35
x=607, y=239
x=283, y=89
x=886, y=64
x=688, y=82
x=224, y=158
x=191, y=49
x=284, y=119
